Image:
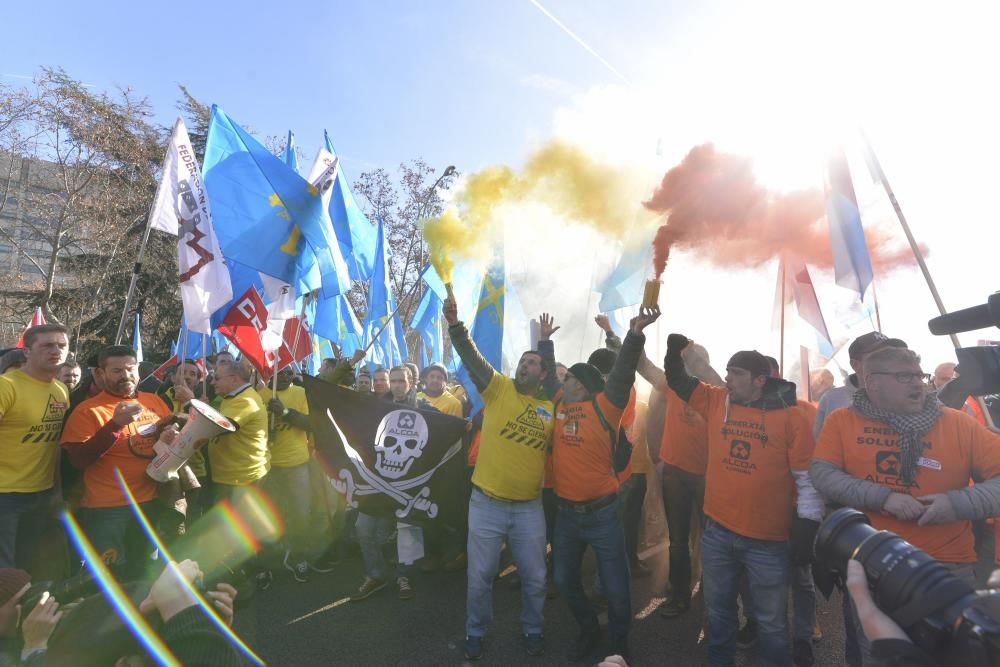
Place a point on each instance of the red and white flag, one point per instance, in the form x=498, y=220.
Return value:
x=181, y=208
x=244, y=325
x=296, y=342
x=798, y=286
x=36, y=318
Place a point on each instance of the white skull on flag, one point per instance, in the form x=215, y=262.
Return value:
x=399, y=441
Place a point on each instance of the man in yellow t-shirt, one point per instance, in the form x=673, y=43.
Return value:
x=435, y=391
x=506, y=501
x=116, y=431
x=288, y=480
x=240, y=460
x=32, y=405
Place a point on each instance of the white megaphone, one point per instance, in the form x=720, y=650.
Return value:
x=204, y=422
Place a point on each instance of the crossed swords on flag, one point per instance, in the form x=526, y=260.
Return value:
x=395, y=490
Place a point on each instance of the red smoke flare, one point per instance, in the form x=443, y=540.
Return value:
x=716, y=208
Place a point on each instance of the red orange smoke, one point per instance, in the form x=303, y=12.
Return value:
x=715, y=207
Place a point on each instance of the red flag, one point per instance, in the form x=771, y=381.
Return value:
x=161, y=370
x=243, y=325
x=296, y=343
x=36, y=318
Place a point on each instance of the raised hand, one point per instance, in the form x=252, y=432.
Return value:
x=645, y=317
x=357, y=356
x=546, y=326
x=602, y=321
x=450, y=312
x=677, y=342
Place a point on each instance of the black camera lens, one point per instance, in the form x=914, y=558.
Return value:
x=839, y=537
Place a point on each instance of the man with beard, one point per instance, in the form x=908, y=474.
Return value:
x=32, y=404
x=904, y=459
x=69, y=374
x=116, y=430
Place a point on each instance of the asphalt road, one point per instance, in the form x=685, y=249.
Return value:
x=315, y=624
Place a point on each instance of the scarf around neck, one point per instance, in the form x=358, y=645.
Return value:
x=910, y=428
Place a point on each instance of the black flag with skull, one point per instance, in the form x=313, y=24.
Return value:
x=386, y=458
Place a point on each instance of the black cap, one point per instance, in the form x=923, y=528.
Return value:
x=603, y=359
x=870, y=342
x=589, y=376
x=750, y=360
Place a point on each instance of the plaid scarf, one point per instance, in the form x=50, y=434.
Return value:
x=911, y=428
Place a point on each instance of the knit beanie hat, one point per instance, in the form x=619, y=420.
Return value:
x=588, y=376
x=603, y=359
x=750, y=360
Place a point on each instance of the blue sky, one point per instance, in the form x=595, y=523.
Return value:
x=480, y=82
x=455, y=82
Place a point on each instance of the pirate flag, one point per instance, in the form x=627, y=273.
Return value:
x=387, y=458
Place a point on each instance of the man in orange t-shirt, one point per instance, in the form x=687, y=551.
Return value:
x=588, y=418
x=759, y=446
x=115, y=429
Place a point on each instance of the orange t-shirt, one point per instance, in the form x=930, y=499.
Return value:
x=751, y=456
x=685, y=436
x=810, y=411
x=581, y=450
x=956, y=449
x=131, y=453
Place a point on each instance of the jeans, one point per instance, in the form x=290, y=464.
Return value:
x=803, y=603
x=522, y=524
x=725, y=555
x=373, y=532
x=633, y=495
x=682, y=492
x=602, y=531
x=291, y=491
x=118, y=538
x=23, y=517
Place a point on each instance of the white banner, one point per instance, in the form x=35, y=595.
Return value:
x=181, y=208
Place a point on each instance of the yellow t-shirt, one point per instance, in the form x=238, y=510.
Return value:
x=291, y=445
x=514, y=443
x=445, y=403
x=241, y=458
x=31, y=419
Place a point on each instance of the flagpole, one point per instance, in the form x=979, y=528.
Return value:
x=136, y=270
x=183, y=358
x=204, y=378
x=879, y=174
x=878, y=317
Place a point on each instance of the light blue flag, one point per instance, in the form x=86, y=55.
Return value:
x=266, y=215
x=624, y=285
x=354, y=231
x=137, y=340
x=389, y=348
x=195, y=346
x=291, y=158
x=487, y=330
x=427, y=323
x=851, y=264
x=335, y=319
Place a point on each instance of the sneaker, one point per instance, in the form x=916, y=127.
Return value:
x=263, y=580
x=585, y=646
x=747, y=636
x=534, y=644
x=368, y=588
x=817, y=634
x=639, y=570
x=404, y=589
x=301, y=572
x=473, y=648
x=456, y=564
x=675, y=606
x=802, y=653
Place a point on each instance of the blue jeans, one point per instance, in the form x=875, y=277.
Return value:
x=522, y=524
x=373, y=532
x=725, y=555
x=803, y=603
x=291, y=490
x=602, y=531
x=23, y=517
x=118, y=538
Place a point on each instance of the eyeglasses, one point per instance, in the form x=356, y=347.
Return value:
x=906, y=377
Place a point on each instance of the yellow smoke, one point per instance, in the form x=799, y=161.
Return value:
x=558, y=175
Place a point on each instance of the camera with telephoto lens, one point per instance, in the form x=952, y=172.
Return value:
x=945, y=617
x=980, y=365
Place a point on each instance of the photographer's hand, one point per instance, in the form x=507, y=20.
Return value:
x=10, y=613
x=169, y=594
x=904, y=507
x=223, y=600
x=38, y=626
x=876, y=624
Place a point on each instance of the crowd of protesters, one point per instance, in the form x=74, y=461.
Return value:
x=745, y=469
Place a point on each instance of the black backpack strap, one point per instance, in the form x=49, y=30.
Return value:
x=607, y=427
